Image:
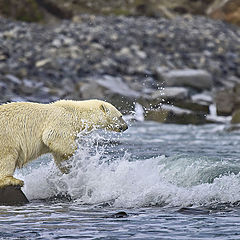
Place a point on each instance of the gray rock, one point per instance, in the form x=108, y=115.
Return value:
x=91, y=90
x=116, y=85
x=199, y=79
x=169, y=93
x=112, y=89
x=204, y=97
x=42, y=62
x=129, y=58
x=224, y=100
x=195, y=106
x=236, y=117
x=13, y=79
x=236, y=90
x=160, y=73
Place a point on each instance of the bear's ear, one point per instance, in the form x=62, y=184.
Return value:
x=104, y=108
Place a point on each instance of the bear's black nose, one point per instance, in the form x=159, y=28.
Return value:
x=123, y=128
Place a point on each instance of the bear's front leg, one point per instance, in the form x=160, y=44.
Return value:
x=7, y=168
x=61, y=144
x=60, y=161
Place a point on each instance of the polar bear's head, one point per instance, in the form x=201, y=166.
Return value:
x=112, y=119
x=94, y=114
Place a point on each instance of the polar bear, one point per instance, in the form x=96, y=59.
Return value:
x=28, y=130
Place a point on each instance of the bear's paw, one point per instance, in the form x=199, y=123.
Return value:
x=10, y=181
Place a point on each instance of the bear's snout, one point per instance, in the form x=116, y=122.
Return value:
x=123, y=128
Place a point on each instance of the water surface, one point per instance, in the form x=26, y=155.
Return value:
x=174, y=182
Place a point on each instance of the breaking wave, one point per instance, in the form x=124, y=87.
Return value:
x=103, y=172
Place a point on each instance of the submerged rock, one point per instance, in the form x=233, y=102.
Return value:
x=193, y=211
x=121, y=214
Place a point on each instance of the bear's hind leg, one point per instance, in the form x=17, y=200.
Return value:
x=7, y=167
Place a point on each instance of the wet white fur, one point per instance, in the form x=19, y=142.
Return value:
x=28, y=130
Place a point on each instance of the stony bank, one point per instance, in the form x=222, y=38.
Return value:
x=177, y=69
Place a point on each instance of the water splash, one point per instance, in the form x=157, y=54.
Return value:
x=137, y=114
x=100, y=175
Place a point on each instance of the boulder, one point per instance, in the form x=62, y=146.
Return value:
x=236, y=90
x=236, y=116
x=112, y=89
x=177, y=96
x=198, y=79
x=228, y=98
x=172, y=114
x=195, y=106
x=117, y=85
x=224, y=99
x=204, y=97
x=12, y=195
x=170, y=93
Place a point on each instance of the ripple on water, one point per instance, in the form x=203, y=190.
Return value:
x=172, y=181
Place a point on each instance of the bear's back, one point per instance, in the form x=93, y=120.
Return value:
x=18, y=115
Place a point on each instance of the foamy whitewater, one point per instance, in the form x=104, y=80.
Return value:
x=160, y=175
x=97, y=176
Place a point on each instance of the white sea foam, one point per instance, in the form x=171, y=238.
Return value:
x=96, y=178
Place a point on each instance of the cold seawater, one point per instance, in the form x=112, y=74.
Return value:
x=173, y=181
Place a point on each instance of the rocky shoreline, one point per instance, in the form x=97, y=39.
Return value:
x=176, y=69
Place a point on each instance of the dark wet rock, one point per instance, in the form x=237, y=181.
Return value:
x=61, y=197
x=121, y=214
x=172, y=114
x=236, y=90
x=224, y=99
x=228, y=98
x=193, y=211
x=160, y=71
x=195, y=106
x=236, y=116
x=12, y=196
x=176, y=96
